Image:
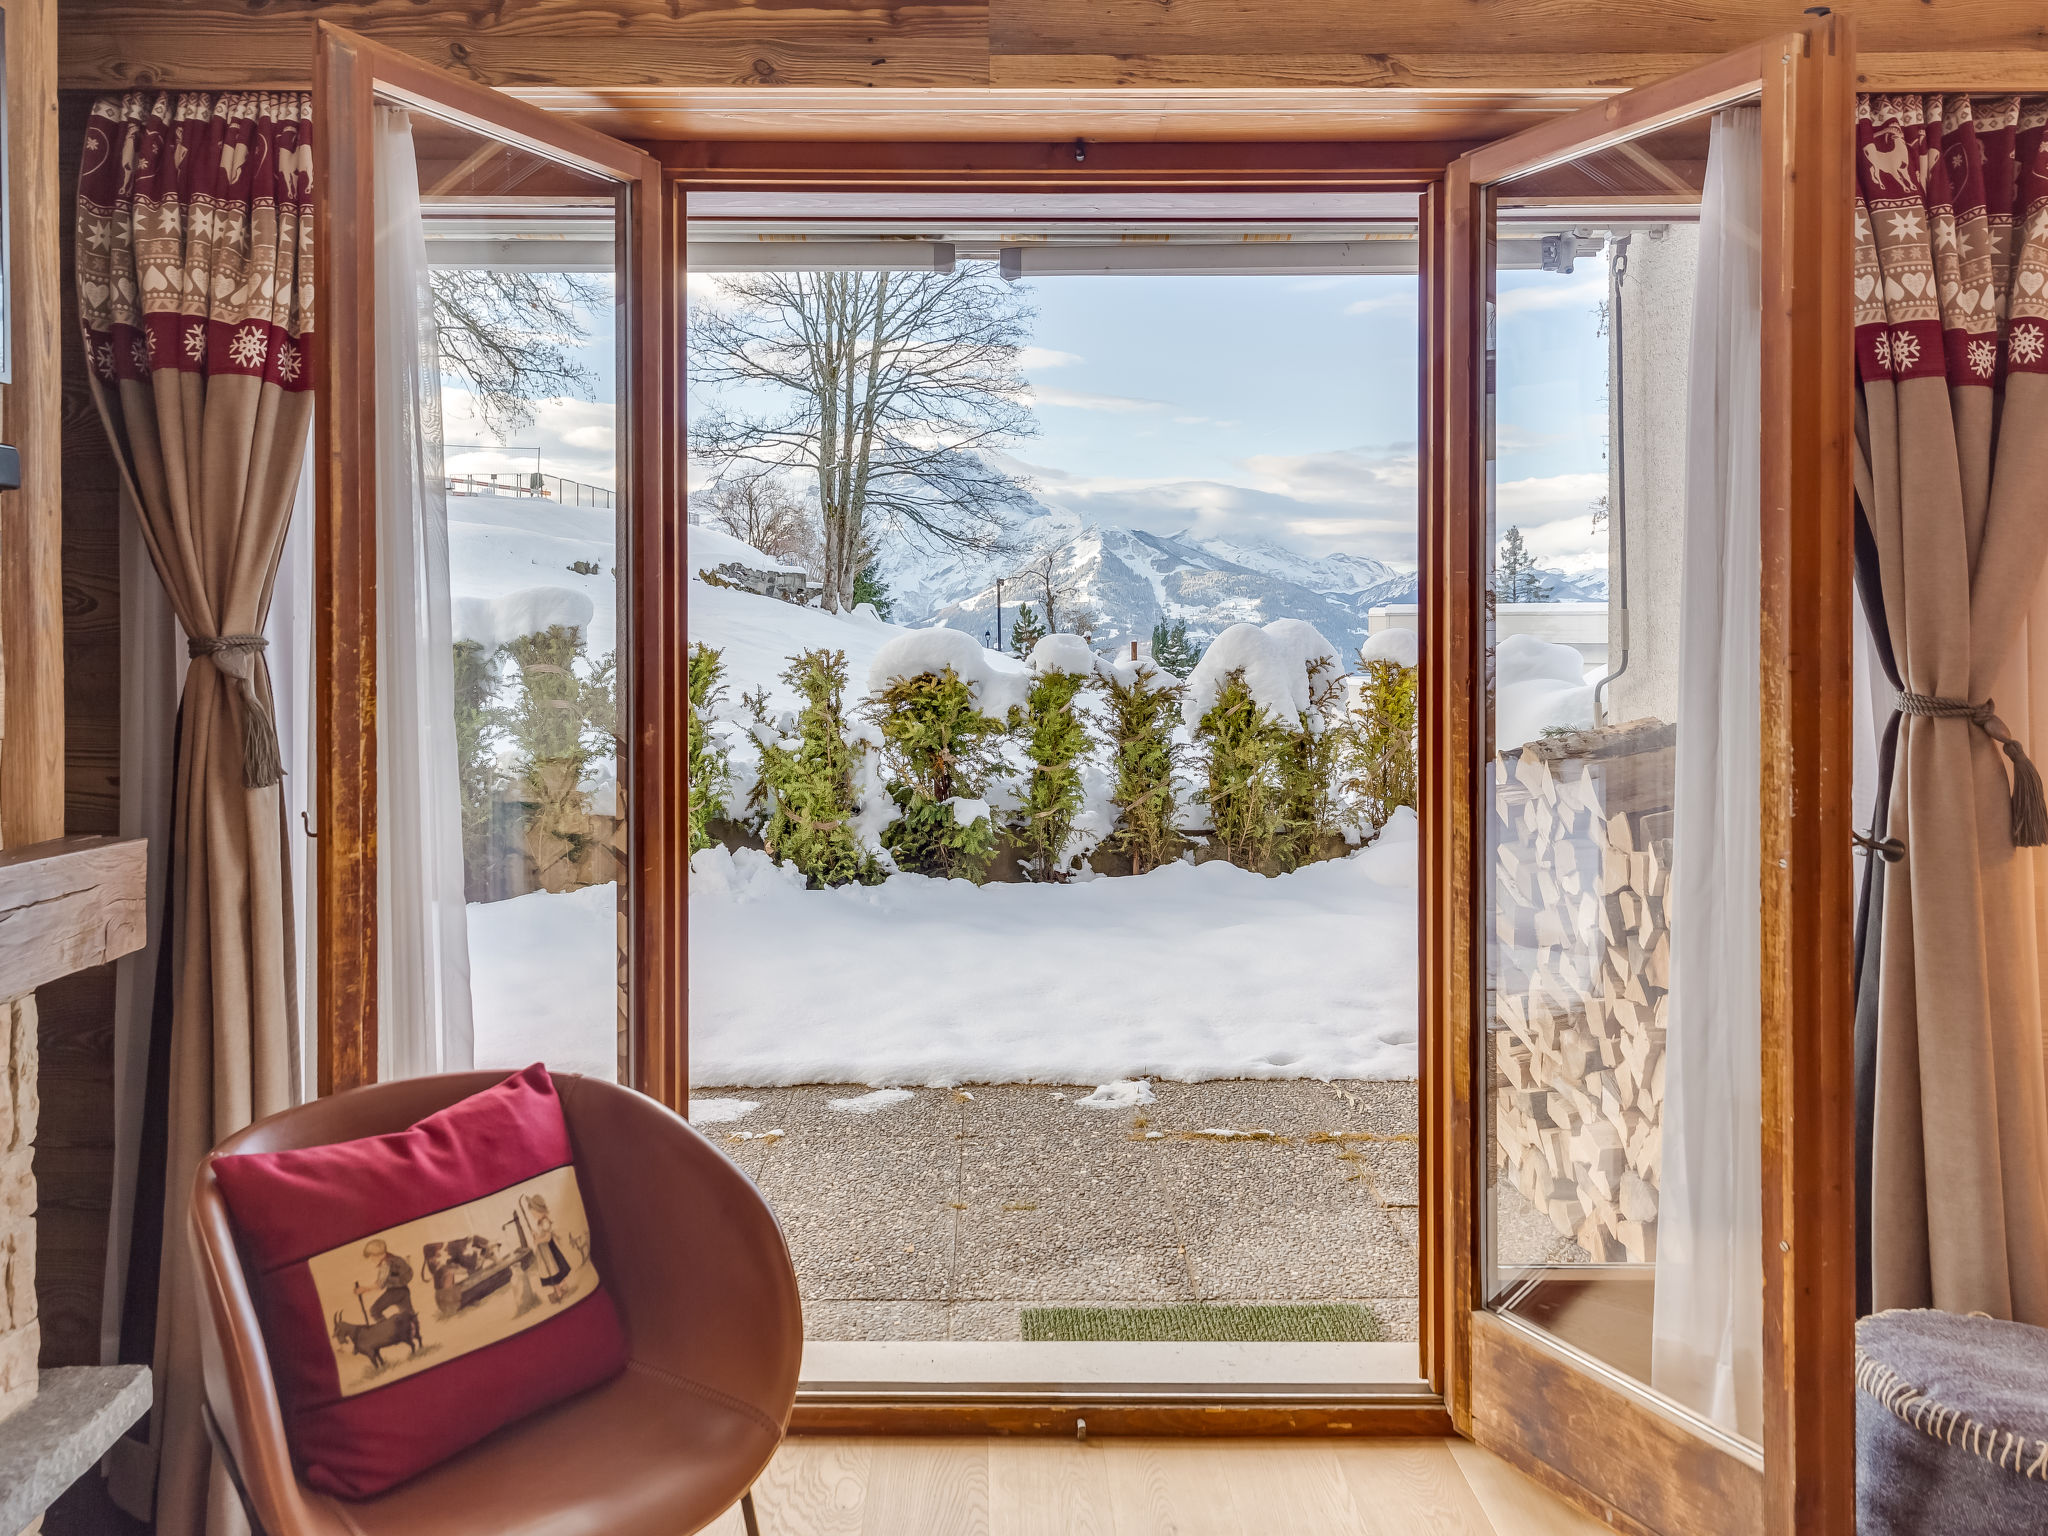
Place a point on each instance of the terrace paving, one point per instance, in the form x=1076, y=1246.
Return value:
x=942, y=1216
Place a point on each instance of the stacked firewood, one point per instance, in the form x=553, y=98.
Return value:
x=1582, y=946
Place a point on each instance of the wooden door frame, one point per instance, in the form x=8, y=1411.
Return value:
x=983, y=167
x=1601, y=1440
x=349, y=74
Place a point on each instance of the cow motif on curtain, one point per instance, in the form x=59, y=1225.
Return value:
x=195, y=236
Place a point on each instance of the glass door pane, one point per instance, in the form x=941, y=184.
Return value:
x=1621, y=1129
x=501, y=574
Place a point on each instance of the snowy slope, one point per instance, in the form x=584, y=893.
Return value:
x=501, y=545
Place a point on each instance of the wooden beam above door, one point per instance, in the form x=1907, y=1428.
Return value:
x=994, y=69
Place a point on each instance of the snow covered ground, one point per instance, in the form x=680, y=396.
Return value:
x=1189, y=973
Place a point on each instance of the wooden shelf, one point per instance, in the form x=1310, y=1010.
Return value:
x=67, y=905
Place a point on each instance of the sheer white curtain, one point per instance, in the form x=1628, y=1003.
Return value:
x=289, y=629
x=1707, y=1336
x=422, y=931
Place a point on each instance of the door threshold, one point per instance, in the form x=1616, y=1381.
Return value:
x=832, y=1368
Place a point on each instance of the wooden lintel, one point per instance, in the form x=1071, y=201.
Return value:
x=69, y=904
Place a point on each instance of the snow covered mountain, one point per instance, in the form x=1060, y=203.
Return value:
x=1130, y=579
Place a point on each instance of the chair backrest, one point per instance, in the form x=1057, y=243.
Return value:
x=689, y=1250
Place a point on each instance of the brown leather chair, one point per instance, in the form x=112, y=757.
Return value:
x=703, y=1282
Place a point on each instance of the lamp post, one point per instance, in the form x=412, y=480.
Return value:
x=999, y=613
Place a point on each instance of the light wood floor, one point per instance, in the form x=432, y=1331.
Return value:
x=1122, y=1487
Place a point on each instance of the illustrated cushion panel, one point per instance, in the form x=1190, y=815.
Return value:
x=419, y=1290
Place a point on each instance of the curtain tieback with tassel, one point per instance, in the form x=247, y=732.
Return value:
x=2029, y=806
x=231, y=655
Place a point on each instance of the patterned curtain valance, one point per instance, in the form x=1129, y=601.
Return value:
x=1951, y=237
x=195, y=235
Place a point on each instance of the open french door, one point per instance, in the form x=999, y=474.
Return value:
x=517, y=511
x=1643, y=1129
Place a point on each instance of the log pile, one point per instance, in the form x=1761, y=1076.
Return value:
x=1582, y=962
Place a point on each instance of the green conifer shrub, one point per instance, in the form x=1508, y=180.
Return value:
x=1055, y=741
x=561, y=723
x=813, y=783
x=1026, y=631
x=1379, y=754
x=709, y=771
x=937, y=745
x=1172, y=650
x=476, y=727
x=1246, y=788
x=868, y=587
x=1140, y=713
x=1310, y=770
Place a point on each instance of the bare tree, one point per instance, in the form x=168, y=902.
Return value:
x=1045, y=571
x=763, y=511
x=506, y=336
x=887, y=386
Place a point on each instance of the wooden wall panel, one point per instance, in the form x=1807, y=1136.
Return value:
x=32, y=766
x=1404, y=45
x=220, y=43
x=1402, y=37
x=75, y=1147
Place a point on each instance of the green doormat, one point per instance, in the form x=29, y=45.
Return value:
x=1321, y=1323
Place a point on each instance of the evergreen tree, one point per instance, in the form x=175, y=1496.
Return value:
x=868, y=587
x=706, y=765
x=1141, y=712
x=476, y=724
x=561, y=723
x=1025, y=631
x=1309, y=768
x=1246, y=790
x=937, y=746
x=1380, y=742
x=813, y=783
x=1172, y=651
x=1055, y=740
x=1518, y=580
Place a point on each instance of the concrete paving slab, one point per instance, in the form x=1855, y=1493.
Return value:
x=936, y=1217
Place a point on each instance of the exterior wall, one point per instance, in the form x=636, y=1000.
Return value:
x=1646, y=418
x=20, y=1332
x=1581, y=625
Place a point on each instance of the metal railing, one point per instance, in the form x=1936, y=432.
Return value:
x=520, y=482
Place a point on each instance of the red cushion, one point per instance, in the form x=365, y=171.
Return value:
x=482, y=1305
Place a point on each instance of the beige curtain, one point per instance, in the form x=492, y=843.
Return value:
x=1951, y=289
x=195, y=281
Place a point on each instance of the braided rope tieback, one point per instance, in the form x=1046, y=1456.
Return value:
x=233, y=656
x=2029, y=804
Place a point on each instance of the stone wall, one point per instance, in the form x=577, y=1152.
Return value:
x=20, y=1335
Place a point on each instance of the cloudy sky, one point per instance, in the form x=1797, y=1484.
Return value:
x=1268, y=406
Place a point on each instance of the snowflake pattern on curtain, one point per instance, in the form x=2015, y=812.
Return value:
x=1951, y=237
x=195, y=235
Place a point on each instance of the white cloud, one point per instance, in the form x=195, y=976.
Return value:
x=1547, y=498
x=1081, y=400
x=1404, y=302
x=1047, y=357
x=575, y=438
x=1361, y=501
x=1581, y=293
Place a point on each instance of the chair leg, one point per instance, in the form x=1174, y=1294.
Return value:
x=747, y=1513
